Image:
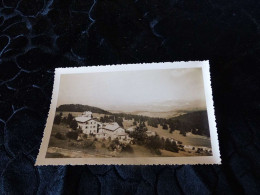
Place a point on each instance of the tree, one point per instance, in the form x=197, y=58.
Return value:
x=74, y=124
x=57, y=119
x=171, y=129
x=165, y=126
x=128, y=148
x=183, y=132
x=60, y=136
x=139, y=135
x=72, y=135
x=116, y=141
x=69, y=118
x=142, y=126
x=106, y=119
x=154, y=143
x=113, y=145
x=162, y=142
x=153, y=122
x=64, y=120
x=171, y=146
x=119, y=120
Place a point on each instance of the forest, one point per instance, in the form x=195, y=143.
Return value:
x=80, y=108
x=195, y=122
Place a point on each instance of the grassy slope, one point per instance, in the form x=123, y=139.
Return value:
x=66, y=150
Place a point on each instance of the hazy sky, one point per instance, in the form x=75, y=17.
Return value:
x=149, y=90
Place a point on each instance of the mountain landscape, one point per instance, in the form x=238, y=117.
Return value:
x=172, y=107
x=189, y=120
x=114, y=133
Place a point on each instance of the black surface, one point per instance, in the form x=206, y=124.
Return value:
x=37, y=36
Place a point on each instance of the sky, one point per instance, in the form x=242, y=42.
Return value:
x=143, y=90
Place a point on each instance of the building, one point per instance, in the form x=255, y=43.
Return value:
x=113, y=131
x=87, y=123
x=90, y=125
x=87, y=114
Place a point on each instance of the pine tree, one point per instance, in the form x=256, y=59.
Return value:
x=74, y=124
x=57, y=119
x=69, y=118
x=165, y=126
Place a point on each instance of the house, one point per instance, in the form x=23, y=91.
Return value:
x=112, y=130
x=88, y=124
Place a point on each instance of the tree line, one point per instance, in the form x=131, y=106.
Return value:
x=112, y=118
x=80, y=108
x=69, y=120
x=194, y=122
x=153, y=143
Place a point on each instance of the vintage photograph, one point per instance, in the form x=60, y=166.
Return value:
x=132, y=113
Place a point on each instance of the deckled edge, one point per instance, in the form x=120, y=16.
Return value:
x=74, y=161
x=210, y=107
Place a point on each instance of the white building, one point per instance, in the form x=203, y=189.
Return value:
x=87, y=114
x=88, y=124
x=113, y=131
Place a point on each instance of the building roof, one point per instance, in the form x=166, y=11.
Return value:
x=82, y=119
x=111, y=126
x=86, y=116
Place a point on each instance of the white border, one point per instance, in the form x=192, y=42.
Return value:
x=214, y=159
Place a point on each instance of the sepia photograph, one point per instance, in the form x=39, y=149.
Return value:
x=132, y=114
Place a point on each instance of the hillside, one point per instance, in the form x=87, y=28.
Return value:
x=195, y=122
x=80, y=108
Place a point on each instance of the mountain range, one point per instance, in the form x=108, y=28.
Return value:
x=165, y=109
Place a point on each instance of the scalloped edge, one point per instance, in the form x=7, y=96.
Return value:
x=193, y=160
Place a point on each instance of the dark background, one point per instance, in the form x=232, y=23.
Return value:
x=37, y=36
